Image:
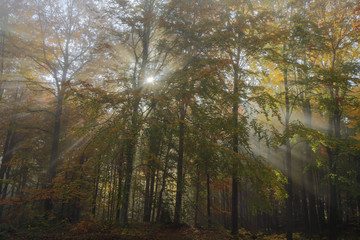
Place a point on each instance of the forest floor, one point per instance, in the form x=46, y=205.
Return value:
x=91, y=231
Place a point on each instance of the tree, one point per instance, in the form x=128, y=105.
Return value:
x=61, y=44
x=336, y=73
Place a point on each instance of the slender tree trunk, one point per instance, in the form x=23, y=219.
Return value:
x=151, y=193
x=129, y=155
x=93, y=211
x=76, y=206
x=114, y=195
x=332, y=201
x=197, y=193
x=110, y=191
x=163, y=184
x=118, y=202
x=7, y=153
x=304, y=183
x=155, y=196
x=235, y=143
x=223, y=199
x=5, y=190
x=147, y=194
x=154, y=148
x=55, y=147
x=334, y=130
x=24, y=174
x=313, y=218
x=319, y=196
x=179, y=180
x=288, y=164
x=234, y=202
x=304, y=207
x=104, y=191
x=133, y=200
x=208, y=199
x=333, y=196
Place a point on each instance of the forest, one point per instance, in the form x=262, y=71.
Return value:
x=179, y=119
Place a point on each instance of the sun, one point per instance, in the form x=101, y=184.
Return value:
x=150, y=80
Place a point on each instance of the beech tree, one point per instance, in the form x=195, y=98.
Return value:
x=61, y=46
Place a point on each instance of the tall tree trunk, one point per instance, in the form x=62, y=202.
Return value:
x=133, y=199
x=235, y=143
x=313, y=218
x=208, y=199
x=155, y=196
x=304, y=207
x=154, y=148
x=334, y=125
x=224, y=200
x=288, y=164
x=93, y=210
x=179, y=180
x=151, y=193
x=55, y=147
x=154, y=151
x=76, y=205
x=332, y=222
x=334, y=129
x=147, y=194
x=7, y=153
x=320, y=199
x=163, y=184
x=129, y=155
x=120, y=177
x=197, y=193
x=110, y=191
x=234, y=192
x=5, y=190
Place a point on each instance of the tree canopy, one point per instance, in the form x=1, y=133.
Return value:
x=241, y=114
